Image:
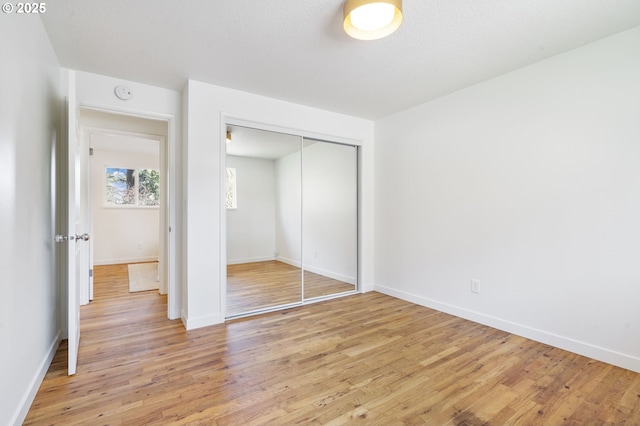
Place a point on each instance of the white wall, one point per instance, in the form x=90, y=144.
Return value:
x=251, y=228
x=92, y=119
x=329, y=213
x=529, y=183
x=316, y=210
x=29, y=119
x=206, y=107
x=289, y=209
x=122, y=234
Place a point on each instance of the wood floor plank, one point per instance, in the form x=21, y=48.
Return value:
x=364, y=359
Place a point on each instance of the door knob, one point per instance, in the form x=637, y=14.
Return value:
x=83, y=237
x=61, y=238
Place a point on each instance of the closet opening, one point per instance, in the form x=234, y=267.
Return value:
x=291, y=220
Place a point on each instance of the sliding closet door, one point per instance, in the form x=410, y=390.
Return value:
x=263, y=221
x=329, y=218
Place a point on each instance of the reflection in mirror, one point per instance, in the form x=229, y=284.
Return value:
x=263, y=221
x=329, y=217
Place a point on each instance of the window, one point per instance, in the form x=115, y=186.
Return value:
x=132, y=187
x=120, y=186
x=231, y=198
x=148, y=187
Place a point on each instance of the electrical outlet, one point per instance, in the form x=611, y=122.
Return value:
x=475, y=286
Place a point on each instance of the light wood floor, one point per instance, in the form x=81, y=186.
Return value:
x=260, y=285
x=364, y=359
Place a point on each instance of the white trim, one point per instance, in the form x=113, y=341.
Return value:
x=582, y=348
x=332, y=275
x=27, y=399
x=205, y=321
x=365, y=288
x=249, y=260
x=93, y=130
x=264, y=311
x=288, y=261
x=223, y=216
x=231, y=120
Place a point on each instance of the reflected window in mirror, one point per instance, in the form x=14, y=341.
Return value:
x=231, y=196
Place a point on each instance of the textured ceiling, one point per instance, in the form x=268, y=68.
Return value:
x=296, y=50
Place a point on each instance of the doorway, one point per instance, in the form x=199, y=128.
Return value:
x=124, y=193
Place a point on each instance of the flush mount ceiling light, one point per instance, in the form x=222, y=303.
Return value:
x=372, y=19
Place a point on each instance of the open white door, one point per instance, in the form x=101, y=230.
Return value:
x=73, y=290
x=74, y=241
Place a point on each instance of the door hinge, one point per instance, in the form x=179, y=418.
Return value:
x=90, y=273
x=90, y=151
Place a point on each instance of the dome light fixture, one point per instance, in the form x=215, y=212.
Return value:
x=372, y=19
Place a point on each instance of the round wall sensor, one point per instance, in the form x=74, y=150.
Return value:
x=123, y=93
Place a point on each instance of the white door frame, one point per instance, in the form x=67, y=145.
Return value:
x=168, y=182
x=86, y=262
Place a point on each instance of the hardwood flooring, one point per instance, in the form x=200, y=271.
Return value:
x=363, y=359
x=316, y=285
x=260, y=285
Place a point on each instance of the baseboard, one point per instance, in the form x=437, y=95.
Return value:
x=329, y=274
x=581, y=348
x=205, y=321
x=249, y=260
x=125, y=260
x=291, y=262
x=36, y=381
x=367, y=287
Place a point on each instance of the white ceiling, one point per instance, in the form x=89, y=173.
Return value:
x=296, y=50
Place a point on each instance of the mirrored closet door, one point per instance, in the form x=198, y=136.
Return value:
x=329, y=218
x=291, y=220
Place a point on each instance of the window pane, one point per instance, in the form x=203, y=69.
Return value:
x=120, y=187
x=148, y=187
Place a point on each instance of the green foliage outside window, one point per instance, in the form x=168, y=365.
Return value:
x=148, y=187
